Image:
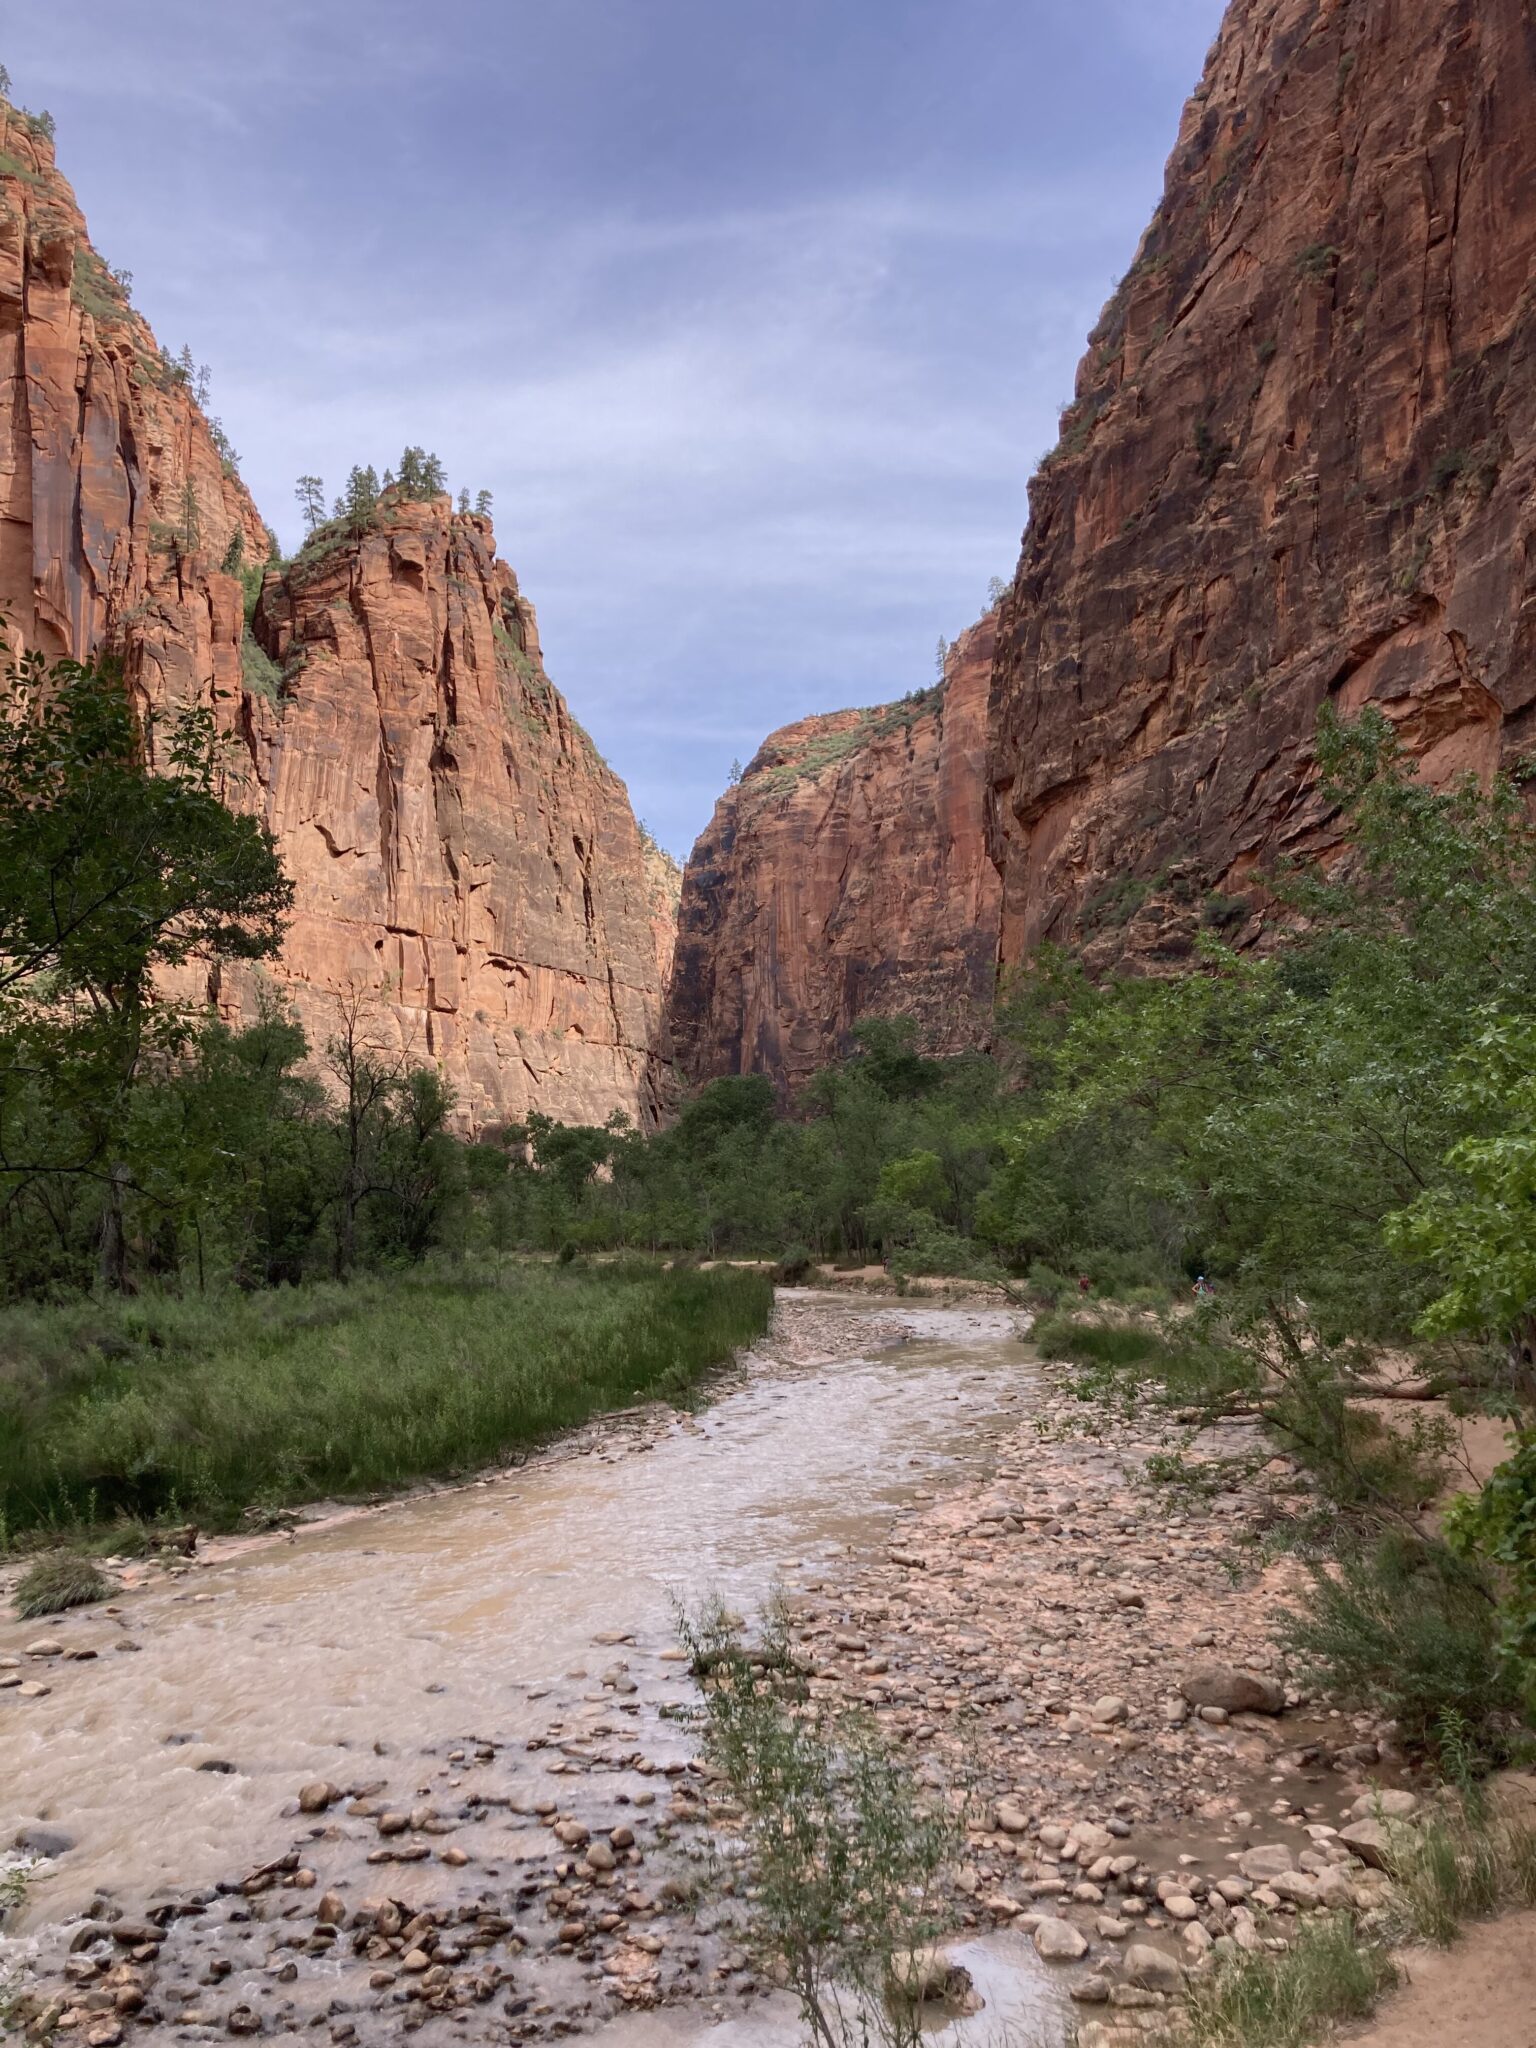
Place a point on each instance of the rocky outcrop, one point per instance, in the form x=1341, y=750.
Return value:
x=844, y=876
x=465, y=863
x=116, y=504
x=1300, y=466
x=460, y=850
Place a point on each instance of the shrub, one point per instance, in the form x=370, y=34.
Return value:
x=1408, y=1629
x=843, y=1856
x=258, y=671
x=56, y=1583
x=1083, y=1343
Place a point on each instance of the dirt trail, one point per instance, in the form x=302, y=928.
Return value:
x=1480, y=1994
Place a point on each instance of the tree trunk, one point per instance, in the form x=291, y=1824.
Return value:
x=112, y=1247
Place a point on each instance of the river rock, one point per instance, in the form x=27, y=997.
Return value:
x=929, y=1976
x=1011, y=1818
x=1058, y=1941
x=1386, y=1804
x=38, y=1841
x=1298, y=1887
x=1371, y=1840
x=317, y=1795
x=1208, y=1683
x=1266, y=1862
x=1149, y=1969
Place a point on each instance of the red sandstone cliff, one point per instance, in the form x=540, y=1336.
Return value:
x=1300, y=465
x=455, y=839
x=462, y=856
x=844, y=876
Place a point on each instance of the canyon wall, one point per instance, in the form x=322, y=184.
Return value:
x=465, y=863
x=1300, y=465
x=844, y=876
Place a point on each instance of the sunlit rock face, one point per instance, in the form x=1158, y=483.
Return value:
x=464, y=861
x=1299, y=468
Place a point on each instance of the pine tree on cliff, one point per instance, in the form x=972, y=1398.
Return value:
x=483, y=504
x=420, y=475
x=310, y=492
x=356, y=503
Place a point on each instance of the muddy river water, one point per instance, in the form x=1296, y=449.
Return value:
x=485, y=1648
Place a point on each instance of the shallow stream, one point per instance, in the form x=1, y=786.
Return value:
x=381, y=1643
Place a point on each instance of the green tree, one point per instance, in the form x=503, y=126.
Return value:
x=189, y=524
x=358, y=502
x=310, y=492
x=118, y=862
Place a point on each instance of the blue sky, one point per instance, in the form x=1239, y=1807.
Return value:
x=754, y=317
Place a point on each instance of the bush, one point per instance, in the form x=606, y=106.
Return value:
x=1410, y=1630
x=56, y=1583
x=843, y=1856
x=1102, y=1344
x=793, y=1266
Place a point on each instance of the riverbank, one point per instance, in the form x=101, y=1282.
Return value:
x=421, y=1770
x=117, y=1415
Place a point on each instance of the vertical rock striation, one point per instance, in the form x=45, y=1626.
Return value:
x=844, y=876
x=1300, y=465
x=464, y=860
x=456, y=841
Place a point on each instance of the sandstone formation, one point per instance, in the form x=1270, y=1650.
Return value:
x=844, y=876
x=465, y=862
x=1300, y=466
x=456, y=840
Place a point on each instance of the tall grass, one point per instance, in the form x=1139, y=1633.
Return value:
x=1284, y=1999
x=176, y=1406
x=1460, y=1865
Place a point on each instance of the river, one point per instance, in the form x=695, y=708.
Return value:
x=486, y=1649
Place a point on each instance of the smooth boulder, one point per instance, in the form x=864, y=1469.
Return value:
x=1208, y=1683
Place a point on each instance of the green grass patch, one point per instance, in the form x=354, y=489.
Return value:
x=1457, y=1866
x=205, y=1406
x=1074, y=1341
x=56, y=1583
x=1285, y=1998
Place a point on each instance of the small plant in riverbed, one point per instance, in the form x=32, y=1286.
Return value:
x=1283, y=2000
x=843, y=1856
x=55, y=1583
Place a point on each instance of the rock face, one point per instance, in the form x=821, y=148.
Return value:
x=465, y=863
x=1300, y=466
x=116, y=504
x=845, y=875
x=457, y=843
